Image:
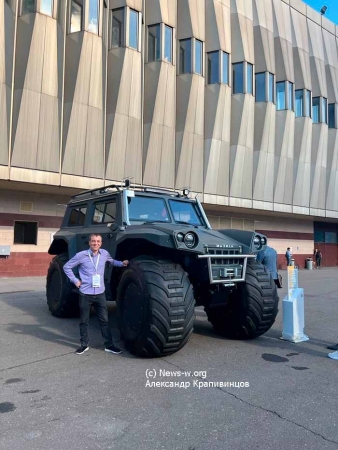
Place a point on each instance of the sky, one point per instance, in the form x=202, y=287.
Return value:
x=332, y=8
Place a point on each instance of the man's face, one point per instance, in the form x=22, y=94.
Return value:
x=95, y=243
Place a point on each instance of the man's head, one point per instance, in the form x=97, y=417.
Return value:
x=288, y=248
x=95, y=242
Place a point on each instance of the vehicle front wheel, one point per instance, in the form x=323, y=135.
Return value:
x=156, y=307
x=251, y=309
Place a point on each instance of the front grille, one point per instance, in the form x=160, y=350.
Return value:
x=227, y=260
x=225, y=265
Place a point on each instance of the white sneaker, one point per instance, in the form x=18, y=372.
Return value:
x=333, y=355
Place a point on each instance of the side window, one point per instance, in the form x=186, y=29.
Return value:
x=105, y=212
x=77, y=216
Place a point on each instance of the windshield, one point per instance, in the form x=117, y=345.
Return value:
x=185, y=212
x=148, y=209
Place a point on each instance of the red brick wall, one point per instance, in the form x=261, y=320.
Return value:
x=25, y=265
x=299, y=261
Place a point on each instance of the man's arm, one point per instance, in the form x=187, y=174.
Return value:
x=116, y=263
x=67, y=268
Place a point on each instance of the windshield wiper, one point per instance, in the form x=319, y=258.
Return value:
x=155, y=221
x=187, y=223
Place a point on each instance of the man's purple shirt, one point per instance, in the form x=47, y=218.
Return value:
x=87, y=269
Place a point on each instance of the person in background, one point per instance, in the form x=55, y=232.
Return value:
x=318, y=257
x=91, y=265
x=314, y=257
x=288, y=256
x=268, y=258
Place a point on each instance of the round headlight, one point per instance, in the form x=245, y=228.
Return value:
x=189, y=240
x=257, y=242
x=263, y=240
x=180, y=237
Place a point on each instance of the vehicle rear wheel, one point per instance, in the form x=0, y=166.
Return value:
x=61, y=301
x=156, y=307
x=251, y=309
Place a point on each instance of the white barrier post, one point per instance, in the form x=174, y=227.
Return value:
x=293, y=310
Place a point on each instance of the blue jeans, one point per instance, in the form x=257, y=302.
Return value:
x=100, y=304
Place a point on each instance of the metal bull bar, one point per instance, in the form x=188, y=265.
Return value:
x=229, y=275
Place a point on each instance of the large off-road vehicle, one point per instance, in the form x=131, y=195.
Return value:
x=177, y=262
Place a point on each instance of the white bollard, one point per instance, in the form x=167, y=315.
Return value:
x=293, y=317
x=293, y=310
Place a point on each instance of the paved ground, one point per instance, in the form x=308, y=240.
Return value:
x=53, y=399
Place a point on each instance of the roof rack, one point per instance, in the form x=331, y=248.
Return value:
x=146, y=189
x=101, y=190
x=161, y=191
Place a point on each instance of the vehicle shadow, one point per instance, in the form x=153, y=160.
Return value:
x=270, y=340
x=46, y=327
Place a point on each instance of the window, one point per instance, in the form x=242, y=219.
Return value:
x=265, y=87
x=93, y=18
x=308, y=103
x=290, y=95
x=299, y=96
x=185, y=212
x=324, y=110
x=25, y=232
x=148, y=209
x=168, y=44
x=133, y=29
x=315, y=109
x=105, y=212
x=216, y=60
x=260, y=87
x=46, y=7
x=117, y=21
x=249, y=78
x=280, y=92
x=238, y=78
x=76, y=17
x=330, y=237
x=319, y=109
x=225, y=68
x=198, y=56
x=154, y=43
x=28, y=6
x=185, y=56
x=271, y=96
x=77, y=216
x=332, y=115
x=213, y=67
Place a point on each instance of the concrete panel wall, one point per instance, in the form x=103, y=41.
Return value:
x=159, y=109
x=77, y=113
x=36, y=125
x=7, y=36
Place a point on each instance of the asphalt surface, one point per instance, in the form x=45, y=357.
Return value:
x=53, y=399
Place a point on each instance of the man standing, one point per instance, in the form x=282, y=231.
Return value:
x=288, y=256
x=91, y=265
x=268, y=258
x=318, y=256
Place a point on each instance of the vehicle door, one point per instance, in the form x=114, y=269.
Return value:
x=103, y=218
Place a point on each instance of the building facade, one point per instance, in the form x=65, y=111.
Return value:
x=235, y=99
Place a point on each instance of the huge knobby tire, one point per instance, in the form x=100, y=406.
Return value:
x=251, y=309
x=156, y=307
x=61, y=300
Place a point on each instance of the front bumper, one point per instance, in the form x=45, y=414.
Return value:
x=226, y=269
